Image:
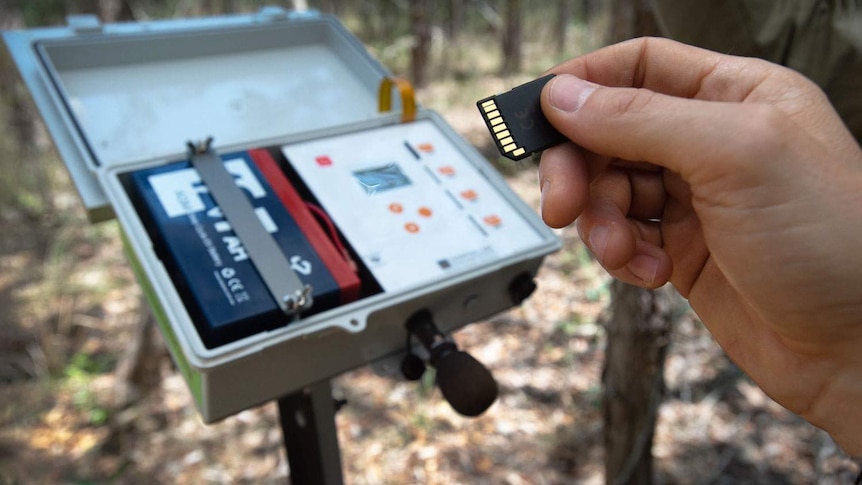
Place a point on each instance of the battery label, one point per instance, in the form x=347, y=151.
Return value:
x=179, y=192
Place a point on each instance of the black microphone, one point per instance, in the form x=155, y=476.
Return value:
x=466, y=384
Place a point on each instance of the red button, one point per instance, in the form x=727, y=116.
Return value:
x=323, y=161
x=447, y=170
x=425, y=212
x=396, y=208
x=492, y=220
x=469, y=195
x=411, y=227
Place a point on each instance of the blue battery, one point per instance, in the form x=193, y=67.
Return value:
x=224, y=295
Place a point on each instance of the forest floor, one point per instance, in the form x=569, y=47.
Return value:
x=71, y=308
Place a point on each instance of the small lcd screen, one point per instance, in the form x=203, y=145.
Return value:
x=380, y=179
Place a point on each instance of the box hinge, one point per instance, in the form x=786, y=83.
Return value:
x=84, y=24
x=271, y=13
x=274, y=13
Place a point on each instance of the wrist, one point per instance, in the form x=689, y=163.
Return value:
x=839, y=412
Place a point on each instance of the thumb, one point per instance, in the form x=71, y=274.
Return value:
x=697, y=139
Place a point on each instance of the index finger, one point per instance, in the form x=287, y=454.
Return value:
x=668, y=67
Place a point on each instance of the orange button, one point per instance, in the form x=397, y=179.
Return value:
x=426, y=147
x=411, y=227
x=425, y=212
x=492, y=220
x=469, y=194
x=447, y=170
x=396, y=208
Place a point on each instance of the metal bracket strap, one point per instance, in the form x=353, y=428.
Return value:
x=291, y=294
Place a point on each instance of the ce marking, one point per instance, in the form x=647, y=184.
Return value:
x=525, y=118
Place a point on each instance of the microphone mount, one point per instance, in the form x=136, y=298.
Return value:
x=466, y=384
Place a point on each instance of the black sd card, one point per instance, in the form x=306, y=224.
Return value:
x=516, y=121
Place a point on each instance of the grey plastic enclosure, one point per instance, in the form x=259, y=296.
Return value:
x=121, y=97
x=122, y=93
x=139, y=98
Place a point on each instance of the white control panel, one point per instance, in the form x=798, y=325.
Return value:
x=410, y=203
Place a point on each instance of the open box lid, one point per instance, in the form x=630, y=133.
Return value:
x=118, y=94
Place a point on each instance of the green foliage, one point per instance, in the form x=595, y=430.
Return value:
x=79, y=373
x=420, y=421
x=573, y=257
x=428, y=382
x=593, y=396
x=598, y=293
x=85, y=401
x=27, y=172
x=570, y=327
x=83, y=366
x=41, y=12
x=7, y=481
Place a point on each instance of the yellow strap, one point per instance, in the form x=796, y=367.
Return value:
x=408, y=103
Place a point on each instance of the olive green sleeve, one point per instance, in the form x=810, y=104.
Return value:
x=821, y=39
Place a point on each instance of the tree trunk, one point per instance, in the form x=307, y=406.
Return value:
x=512, y=39
x=335, y=7
x=630, y=18
x=564, y=13
x=633, y=378
x=455, y=19
x=138, y=371
x=586, y=12
x=420, y=27
x=115, y=11
x=633, y=374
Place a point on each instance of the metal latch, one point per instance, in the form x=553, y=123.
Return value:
x=271, y=13
x=84, y=23
x=274, y=13
x=291, y=294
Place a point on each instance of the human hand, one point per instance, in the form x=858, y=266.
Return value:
x=735, y=180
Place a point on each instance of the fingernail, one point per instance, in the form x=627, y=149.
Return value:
x=568, y=93
x=644, y=267
x=599, y=240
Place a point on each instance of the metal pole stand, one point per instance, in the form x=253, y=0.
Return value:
x=307, y=419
